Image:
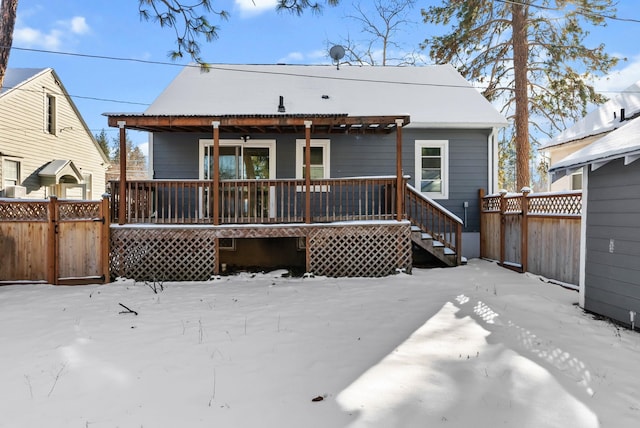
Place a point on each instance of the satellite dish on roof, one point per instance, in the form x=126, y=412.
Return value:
x=336, y=53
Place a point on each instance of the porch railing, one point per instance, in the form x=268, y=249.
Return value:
x=256, y=201
x=432, y=218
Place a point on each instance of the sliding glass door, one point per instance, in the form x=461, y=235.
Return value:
x=253, y=160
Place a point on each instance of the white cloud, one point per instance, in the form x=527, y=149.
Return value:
x=255, y=7
x=53, y=39
x=292, y=57
x=619, y=79
x=79, y=25
x=319, y=56
x=29, y=37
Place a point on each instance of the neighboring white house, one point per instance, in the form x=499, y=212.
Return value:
x=609, y=116
x=610, y=238
x=46, y=147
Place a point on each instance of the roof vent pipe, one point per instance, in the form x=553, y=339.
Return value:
x=281, y=108
x=622, y=118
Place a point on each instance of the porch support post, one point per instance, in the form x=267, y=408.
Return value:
x=307, y=171
x=399, y=180
x=122, y=189
x=216, y=172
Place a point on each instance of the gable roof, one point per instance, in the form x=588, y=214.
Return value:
x=433, y=96
x=604, y=119
x=624, y=142
x=15, y=77
x=57, y=168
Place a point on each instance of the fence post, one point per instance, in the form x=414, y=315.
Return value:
x=482, y=219
x=105, y=238
x=503, y=209
x=52, y=242
x=524, y=228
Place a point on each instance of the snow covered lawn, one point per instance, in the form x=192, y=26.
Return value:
x=472, y=346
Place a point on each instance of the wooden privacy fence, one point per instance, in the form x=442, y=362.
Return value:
x=537, y=233
x=60, y=242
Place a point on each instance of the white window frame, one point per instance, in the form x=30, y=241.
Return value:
x=270, y=144
x=443, y=145
x=326, y=159
x=4, y=173
x=50, y=114
x=571, y=178
x=87, y=180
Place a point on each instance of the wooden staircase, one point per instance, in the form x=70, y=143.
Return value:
x=434, y=247
x=433, y=228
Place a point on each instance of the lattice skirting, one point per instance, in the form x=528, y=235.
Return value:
x=173, y=253
x=360, y=250
x=163, y=254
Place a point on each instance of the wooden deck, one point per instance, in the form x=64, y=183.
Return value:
x=348, y=226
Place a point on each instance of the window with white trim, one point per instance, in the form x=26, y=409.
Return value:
x=432, y=168
x=320, y=156
x=11, y=172
x=50, y=114
x=576, y=181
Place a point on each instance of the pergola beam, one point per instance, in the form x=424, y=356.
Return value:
x=322, y=123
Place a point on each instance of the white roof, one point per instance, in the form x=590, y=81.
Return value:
x=604, y=119
x=435, y=96
x=16, y=76
x=623, y=142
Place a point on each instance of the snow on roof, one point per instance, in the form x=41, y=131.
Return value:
x=622, y=142
x=433, y=95
x=15, y=76
x=604, y=119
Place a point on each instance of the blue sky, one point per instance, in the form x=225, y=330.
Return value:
x=254, y=34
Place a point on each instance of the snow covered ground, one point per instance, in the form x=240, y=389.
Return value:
x=475, y=345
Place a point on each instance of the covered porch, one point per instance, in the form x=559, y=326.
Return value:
x=258, y=200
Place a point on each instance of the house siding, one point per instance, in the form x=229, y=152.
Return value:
x=23, y=135
x=612, y=275
x=176, y=157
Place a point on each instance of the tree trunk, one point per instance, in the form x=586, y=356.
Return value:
x=520, y=60
x=8, y=9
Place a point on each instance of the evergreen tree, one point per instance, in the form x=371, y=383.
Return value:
x=530, y=58
x=136, y=161
x=185, y=19
x=8, y=10
x=103, y=142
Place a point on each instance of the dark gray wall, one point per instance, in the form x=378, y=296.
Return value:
x=176, y=157
x=612, y=275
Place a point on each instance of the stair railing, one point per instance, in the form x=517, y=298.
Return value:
x=434, y=219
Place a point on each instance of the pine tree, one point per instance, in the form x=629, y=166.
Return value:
x=529, y=58
x=185, y=19
x=8, y=10
x=103, y=142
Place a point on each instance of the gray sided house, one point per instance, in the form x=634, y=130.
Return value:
x=610, y=253
x=46, y=147
x=330, y=146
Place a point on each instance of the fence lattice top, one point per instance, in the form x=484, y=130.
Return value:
x=491, y=203
x=17, y=210
x=79, y=210
x=559, y=204
x=24, y=211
